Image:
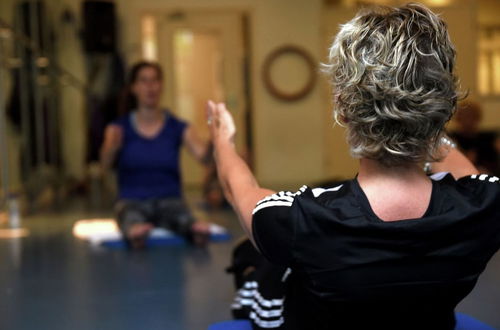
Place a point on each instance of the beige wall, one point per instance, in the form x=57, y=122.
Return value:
x=73, y=104
x=339, y=163
x=294, y=143
x=226, y=83
x=288, y=143
x=288, y=136
x=462, y=19
x=489, y=14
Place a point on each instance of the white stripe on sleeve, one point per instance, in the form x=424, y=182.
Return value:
x=269, y=204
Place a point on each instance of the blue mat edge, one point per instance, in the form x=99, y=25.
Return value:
x=467, y=322
x=165, y=241
x=464, y=322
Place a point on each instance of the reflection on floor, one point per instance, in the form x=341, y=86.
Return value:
x=52, y=280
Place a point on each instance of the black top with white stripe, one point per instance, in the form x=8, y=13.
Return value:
x=351, y=270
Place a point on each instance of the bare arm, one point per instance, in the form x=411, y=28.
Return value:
x=239, y=184
x=113, y=137
x=200, y=149
x=456, y=163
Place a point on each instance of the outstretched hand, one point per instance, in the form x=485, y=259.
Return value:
x=220, y=123
x=239, y=184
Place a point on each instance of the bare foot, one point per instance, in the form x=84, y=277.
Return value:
x=138, y=233
x=201, y=233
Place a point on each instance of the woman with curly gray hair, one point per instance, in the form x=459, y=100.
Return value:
x=392, y=248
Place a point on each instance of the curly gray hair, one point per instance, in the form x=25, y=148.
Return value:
x=393, y=83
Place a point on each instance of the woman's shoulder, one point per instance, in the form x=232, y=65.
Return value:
x=480, y=179
x=175, y=119
x=473, y=192
x=306, y=196
x=474, y=181
x=482, y=184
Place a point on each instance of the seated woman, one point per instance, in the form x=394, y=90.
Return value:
x=146, y=143
x=391, y=248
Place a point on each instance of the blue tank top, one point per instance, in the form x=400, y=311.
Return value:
x=148, y=168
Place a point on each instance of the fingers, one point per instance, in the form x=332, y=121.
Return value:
x=210, y=108
x=226, y=117
x=210, y=111
x=220, y=121
x=214, y=112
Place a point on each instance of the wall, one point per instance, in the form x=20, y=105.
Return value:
x=462, y=17
x=338, y=161
x=288, y=141
x=72, y=128
x=288, y=136
x=294, y=143
x=11, y=134
x=488, y=14
x=73, y=115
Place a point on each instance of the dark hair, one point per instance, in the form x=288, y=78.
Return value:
x=129, y=100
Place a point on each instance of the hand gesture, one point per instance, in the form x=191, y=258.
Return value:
x=220, y=122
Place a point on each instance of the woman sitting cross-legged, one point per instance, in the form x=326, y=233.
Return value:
x=145, y=143
x=391, y=248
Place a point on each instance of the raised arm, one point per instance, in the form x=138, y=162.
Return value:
x=454, y=162
x=239, y=184
x=113, y=138
x=200, y=149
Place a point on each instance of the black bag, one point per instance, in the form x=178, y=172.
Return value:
x=260, y=287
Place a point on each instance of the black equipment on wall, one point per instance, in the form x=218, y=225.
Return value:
x=99, y=26
x=33, y=106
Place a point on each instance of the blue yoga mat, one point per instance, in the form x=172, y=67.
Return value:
x=231, y=325
x=464, y=322
x=173, y=240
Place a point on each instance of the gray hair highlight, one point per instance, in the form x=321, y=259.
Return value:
x=393, y=83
